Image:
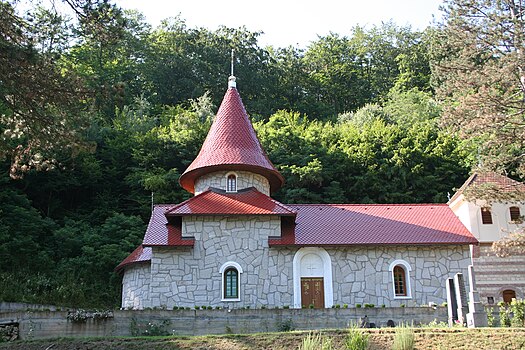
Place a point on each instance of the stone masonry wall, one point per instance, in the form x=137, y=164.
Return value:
x=37, y=325
x=495, y=274
x=135, y=285
x=190, y=276
x=361, y=275
x=245, y=179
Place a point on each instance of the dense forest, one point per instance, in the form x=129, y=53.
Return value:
x=100, y=114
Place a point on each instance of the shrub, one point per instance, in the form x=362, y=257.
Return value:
x=316, y=342
x=77, y=316
x=504, y=315
x=402, y=305
x=286, y=306
x=311, y=306
x=383, y=306
x=197, y=307
x=436, y=324
x=404, y=338
x=285, y=325
x=345, y=306
x=490, y=317
x=356, y=339
x=217, y=307
x=337, y=306
x=209, y=307
x=358, y=306
x=175, y=308
x=517, y=308
x=151, y=329
x=369, y=305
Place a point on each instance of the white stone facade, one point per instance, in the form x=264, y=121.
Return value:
x=192, y=275
x=135, y=285
x=245, y=179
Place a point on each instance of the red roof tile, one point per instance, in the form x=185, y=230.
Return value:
x=231, y=144
x=160, y=233
x=248, y=201
x=346, y=224
x=503, y=183
x=141, y=254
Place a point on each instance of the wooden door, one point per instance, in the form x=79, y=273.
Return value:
x=312, y=292
x=508, y=295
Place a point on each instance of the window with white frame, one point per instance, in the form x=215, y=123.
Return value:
x=486, y=216
x=231, y=183
x=515, y=215
x=400, y=271
x=231, y=281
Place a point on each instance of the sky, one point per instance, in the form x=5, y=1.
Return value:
x=290, y=22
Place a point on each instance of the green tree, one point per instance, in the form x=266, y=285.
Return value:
x=479, y=73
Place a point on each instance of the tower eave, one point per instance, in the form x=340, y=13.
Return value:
x=187, y=180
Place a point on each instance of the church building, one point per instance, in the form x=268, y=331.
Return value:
x=232, y=245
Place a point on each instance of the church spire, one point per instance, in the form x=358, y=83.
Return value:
x=231, y=145
x=231, y=79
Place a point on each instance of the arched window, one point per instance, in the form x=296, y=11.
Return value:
x=486, y=216
x=231, y=283
x=400, y=282
x=401, y=279
x=515, y=215
x=231, y=286
x=231, y=183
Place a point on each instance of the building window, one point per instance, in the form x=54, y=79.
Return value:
x=515, y=214
x=400, y=270
x=231, y=183
x=486, y=216
x=231, y=282
x=400, y=282
x=231, y=286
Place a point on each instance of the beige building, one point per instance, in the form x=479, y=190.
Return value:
x=497, y=278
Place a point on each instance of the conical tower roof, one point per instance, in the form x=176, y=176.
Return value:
x=231, y=144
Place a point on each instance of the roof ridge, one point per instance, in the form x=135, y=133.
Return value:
x=187, y=200
x=369, y=205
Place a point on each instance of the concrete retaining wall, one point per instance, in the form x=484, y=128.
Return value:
x=49, y=324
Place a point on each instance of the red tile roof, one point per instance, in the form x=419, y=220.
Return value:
x=231, y=144
x=248, y=201
x=503, y=183
x=393, y=224
x=160, y=233
x=319, y=224
x=141, y=254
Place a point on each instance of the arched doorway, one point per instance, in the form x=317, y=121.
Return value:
x=508, y=295
x=312, y=274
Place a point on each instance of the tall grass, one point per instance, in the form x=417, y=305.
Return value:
x=356, y=339
x=316, y=342
x=404, y=339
